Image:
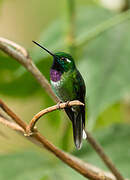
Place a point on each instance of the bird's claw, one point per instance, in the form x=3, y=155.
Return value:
x=58, y=104
x=67, y=103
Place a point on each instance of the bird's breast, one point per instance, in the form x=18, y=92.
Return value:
x=56, y=84
x=58, y=89
x=64, y=88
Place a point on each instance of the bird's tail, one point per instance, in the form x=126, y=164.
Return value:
x=78, y=130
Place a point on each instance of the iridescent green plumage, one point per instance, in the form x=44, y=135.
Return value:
x=68, y=85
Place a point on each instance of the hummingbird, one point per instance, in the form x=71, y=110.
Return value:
x=68, y=85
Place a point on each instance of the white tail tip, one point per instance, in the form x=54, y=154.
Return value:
x=84, y=135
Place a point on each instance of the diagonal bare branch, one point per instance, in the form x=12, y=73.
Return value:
x=85, y=169
x=21, y=55
x=23, y=58
x=11, y=125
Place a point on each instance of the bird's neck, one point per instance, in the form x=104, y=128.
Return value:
x=55, y=75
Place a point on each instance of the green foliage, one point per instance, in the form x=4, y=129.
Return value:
x=26, y=165
x=115, y=142
x=106, y=69
x=104, y=64
x=1, y=1
x=31, y=165
x=110, y=115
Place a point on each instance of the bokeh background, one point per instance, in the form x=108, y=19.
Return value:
x=101, y=47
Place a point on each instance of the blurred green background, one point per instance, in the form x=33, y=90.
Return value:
x=101, y=46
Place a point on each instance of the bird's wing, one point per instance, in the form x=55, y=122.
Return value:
x=80, y=89
x=77, y=114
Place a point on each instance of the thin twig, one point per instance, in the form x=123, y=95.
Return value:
x=12, y=115
x=15, y=46
x=30, y=66
x=10, y=124
x=32, y=123
x=87, y=170
x=102, y=154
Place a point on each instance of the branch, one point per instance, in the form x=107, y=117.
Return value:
x=26, y=61
x=103, y=156
x=32, y=123
x=21, y=55
x=87, y=170
x=91, y=140
x=10, y=124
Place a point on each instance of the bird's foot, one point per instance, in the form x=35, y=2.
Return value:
x=67, y=103
x=58, y=104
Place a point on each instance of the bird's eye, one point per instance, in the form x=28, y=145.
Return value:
x=63, y=59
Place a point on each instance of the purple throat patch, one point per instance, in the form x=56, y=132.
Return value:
x=55, y=75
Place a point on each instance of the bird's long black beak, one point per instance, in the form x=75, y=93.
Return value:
x=44, y=48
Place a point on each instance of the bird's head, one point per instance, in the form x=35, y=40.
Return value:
x=62, y=62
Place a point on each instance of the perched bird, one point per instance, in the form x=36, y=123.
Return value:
x=68, y=84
